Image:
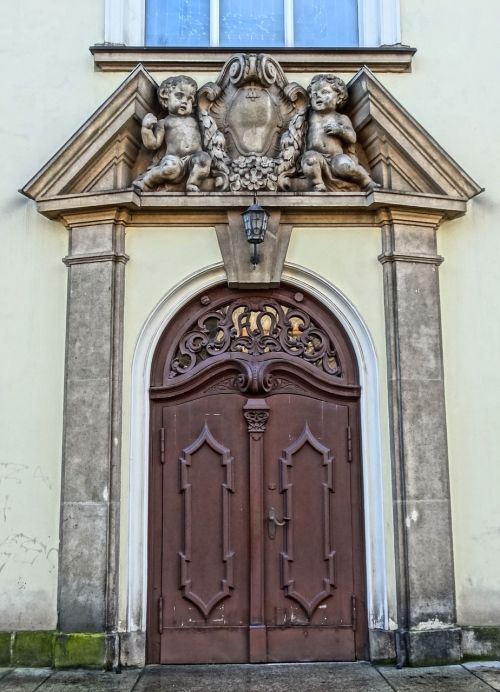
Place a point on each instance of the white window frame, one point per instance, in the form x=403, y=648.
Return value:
x=379, y=22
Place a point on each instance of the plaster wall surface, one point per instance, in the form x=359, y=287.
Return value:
x=49, y=90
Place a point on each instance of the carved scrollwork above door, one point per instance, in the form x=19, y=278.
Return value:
x=255, y=327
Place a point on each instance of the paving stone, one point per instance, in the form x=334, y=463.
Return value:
x=24, y=679
x=321, y=677
x=97, y=681
x=488, y=671
x=435, y=679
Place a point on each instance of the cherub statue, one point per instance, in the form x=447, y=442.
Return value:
x=176, y=136
x=330, y=160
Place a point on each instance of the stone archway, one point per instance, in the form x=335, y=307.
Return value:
x=255, y=408
x=358, y=334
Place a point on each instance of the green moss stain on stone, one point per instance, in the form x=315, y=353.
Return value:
x=82, y=650
x=5, y=638
x=34, y=649
x=482, y=642
x=487, y=635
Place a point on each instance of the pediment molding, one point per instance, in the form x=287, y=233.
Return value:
x=95, y=169
x=401, y=154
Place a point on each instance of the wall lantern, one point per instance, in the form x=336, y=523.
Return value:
x=255, y=219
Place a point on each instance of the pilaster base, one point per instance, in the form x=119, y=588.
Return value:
x=433, y=647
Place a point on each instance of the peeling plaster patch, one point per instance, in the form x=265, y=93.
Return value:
x=105, y=494
x=412, y=518
x=434, y=624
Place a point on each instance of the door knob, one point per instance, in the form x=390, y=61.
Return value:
x=273, y=522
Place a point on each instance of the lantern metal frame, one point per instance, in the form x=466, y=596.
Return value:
x=255, y=220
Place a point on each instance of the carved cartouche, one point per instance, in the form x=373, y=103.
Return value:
x=176, y=137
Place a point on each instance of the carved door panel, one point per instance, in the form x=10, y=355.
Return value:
x=313, y=564
x=202, y=538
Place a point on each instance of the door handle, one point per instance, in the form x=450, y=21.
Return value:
x=273, y=522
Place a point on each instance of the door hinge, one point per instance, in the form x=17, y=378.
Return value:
x=354, y=613
x=160, y=615
x=162, y=445
x=349, y=443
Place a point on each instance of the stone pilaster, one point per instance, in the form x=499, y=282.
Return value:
x=88, y=567
x=421, y=492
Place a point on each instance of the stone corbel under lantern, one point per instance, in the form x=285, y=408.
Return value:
x=253, y=132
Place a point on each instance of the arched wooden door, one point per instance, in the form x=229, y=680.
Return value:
x=255, y=541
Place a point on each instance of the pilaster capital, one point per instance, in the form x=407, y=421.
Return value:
x=390, y=216
x=96, y=217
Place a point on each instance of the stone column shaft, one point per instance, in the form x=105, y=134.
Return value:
x=421, y=490
x=88, y=567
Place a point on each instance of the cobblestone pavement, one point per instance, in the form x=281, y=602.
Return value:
x=304, y=677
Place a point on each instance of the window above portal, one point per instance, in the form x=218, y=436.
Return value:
x=309, y=35
x=260, y=24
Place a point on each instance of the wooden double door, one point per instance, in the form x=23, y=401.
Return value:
x=256, y=548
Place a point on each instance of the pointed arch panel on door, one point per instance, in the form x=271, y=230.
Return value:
x=255, y=518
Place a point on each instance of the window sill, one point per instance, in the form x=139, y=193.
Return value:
x=118, y=58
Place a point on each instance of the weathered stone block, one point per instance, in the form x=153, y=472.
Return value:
x=434, y=647
x=430, y=575
x=133, y=648
x=33, y=649
x=86, y=441
x=82, y=650
x=5, y=648
x=481, y=642
x=382, y=646
x=82, y=577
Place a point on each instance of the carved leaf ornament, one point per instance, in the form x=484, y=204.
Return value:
x=255, y=327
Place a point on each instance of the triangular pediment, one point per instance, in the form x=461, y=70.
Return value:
x=400, y=153
x=106, y=154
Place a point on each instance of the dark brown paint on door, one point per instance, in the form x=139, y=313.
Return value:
x=255, y=541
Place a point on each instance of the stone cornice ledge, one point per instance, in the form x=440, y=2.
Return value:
x=350, y=208
x=118, y=58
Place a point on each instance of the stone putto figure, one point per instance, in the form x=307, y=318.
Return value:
x=176, y=137
x=330, y=160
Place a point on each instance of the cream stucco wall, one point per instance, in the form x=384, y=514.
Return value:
x=49, y=90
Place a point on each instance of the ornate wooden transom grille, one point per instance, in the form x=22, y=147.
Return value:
x=255, y=327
